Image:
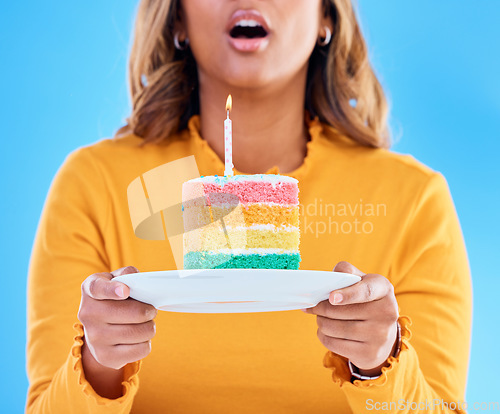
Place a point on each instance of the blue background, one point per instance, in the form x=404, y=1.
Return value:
x=63, y=85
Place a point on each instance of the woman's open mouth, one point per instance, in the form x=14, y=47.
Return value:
x=247, y=31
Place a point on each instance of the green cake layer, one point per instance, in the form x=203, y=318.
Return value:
x=204, y=260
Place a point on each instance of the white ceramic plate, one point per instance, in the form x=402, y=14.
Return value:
x=234, y=290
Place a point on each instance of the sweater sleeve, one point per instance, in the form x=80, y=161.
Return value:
x=432, y=283
x=69, y=246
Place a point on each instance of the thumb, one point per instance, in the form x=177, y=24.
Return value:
x=121, y=289
x=346, y=267
x=100, y=287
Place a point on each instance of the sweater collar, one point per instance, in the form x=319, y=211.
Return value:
x=211, y=163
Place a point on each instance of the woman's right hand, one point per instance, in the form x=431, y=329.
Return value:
x=117, y=329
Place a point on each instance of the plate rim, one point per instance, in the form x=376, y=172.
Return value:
x=144, y=293
x=159, y=273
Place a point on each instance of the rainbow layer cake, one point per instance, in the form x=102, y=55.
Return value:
x=241, y=221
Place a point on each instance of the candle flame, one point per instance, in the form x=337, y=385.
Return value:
x=229, y=103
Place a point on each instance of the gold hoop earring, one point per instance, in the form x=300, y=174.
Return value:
x=327, y=39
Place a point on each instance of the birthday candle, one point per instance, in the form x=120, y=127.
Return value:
x=228, y=139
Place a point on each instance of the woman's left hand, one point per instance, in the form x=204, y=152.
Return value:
x=359, y=322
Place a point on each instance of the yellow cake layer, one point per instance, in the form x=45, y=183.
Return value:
x=213, y=238
x=257, y=213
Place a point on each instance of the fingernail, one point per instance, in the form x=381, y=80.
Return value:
x=304, y=310
x=337, y=298
x=120, y=292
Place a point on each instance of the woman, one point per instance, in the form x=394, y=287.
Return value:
x=308, y=105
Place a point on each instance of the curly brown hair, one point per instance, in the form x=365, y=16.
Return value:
x=163, y=81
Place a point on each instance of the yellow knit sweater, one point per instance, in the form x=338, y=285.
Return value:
x=383, y=212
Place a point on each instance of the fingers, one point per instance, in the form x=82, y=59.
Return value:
x=129, y=311
x=125, y=271
x=367, y=344
x=343, y=347
x=370, y=288
x=351, y=330
x=125, y=290
x=100, y=286
x=117, y=329
x=124, y=334
x=354, y=312
x=118, y=356
x=361, y=354
x=359, y=321
x=118, y=312
x=135, y=352
x=102, y=301
x=346, y=267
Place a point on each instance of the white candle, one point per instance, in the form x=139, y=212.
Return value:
x=228, y=139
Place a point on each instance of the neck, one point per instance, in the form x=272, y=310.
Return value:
x=268, y=126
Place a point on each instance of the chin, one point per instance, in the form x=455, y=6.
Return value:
x=249, y=81
x=251, y=74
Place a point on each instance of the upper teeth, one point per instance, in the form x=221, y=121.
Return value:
x=248, y=23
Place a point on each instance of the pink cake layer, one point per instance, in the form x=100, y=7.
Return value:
x=257, y=192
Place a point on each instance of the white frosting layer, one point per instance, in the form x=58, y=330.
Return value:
x=263, y=227
x=250, y=251
x=231, y=206
x=266, y=178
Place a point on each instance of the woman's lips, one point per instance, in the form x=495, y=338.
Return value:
x=247, y=44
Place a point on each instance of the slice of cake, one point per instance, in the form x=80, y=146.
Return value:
x=241, y=221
